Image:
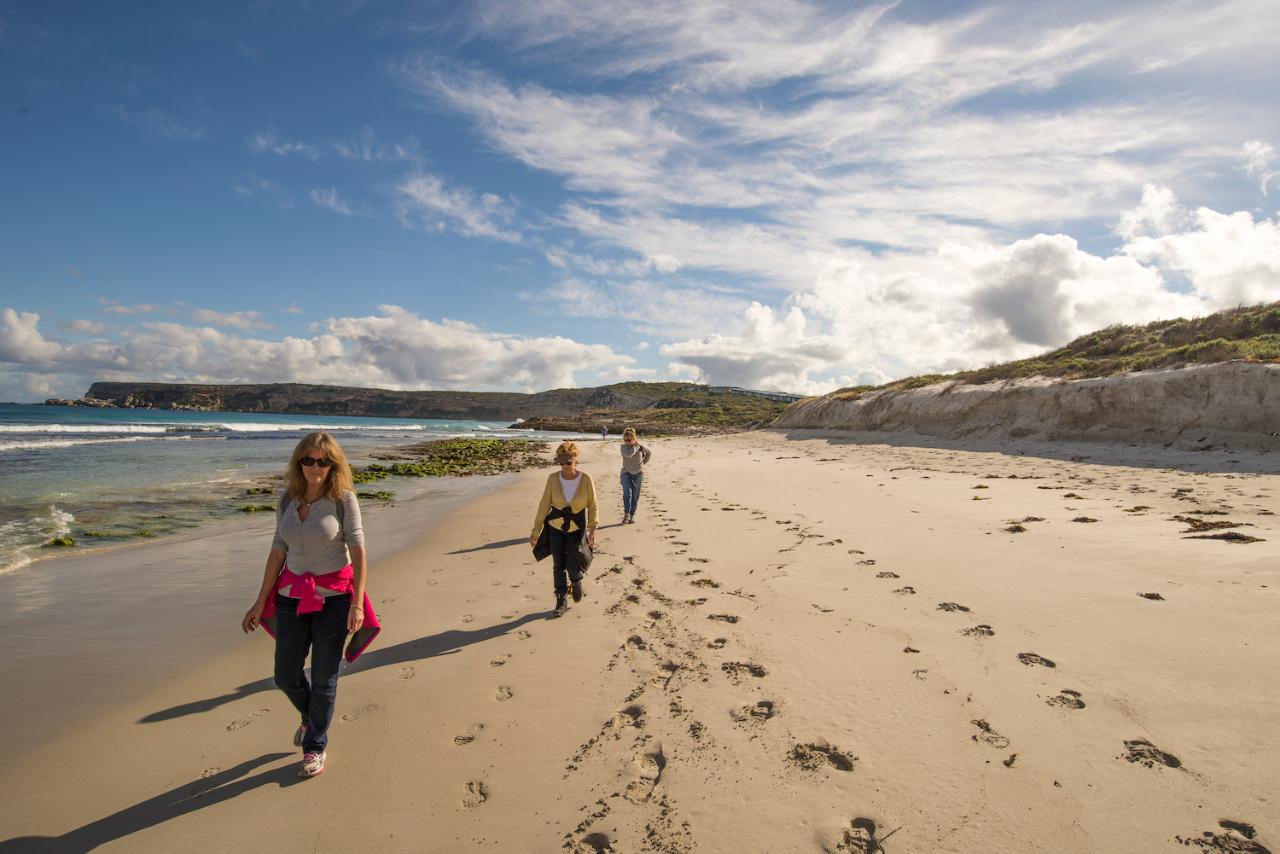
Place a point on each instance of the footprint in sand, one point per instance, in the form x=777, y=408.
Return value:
x=699, y=601
x=209, y=772
x=501, y=660
x=523, y=635
x=472, y=733
x=1067, y=699
x=597, y=843
x=755, y=713
x=407, y=672
x=987, y=735
x=705, y=582
x=1154, y=597
x=1032, y=660
x=646, y=771
x=724, y=618
x=886, y=575
x=718, y=643
x=1145, y=753
x=982, y=630
x=819, y=753
x=951, y=606
x=905, y=591
x=699, y=560
x=261, y=712
x=860, y=838
x=467, y=618
x=474, y=794
x=1239, y=838
x=238, y=723
x=736, y=670
x=360, y=712
x=502, y=694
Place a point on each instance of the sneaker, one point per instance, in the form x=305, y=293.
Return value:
x=561, y=605
x=299, y=735
x=631, y=520
x=312, y=764
x=577, y=590
x=626, y=518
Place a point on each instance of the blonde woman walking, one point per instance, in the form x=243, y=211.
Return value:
x=568, y=511
x=313, y=589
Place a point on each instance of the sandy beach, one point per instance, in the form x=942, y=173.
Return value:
x=809, y=642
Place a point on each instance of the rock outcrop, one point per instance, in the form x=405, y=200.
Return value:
x=1230, y=404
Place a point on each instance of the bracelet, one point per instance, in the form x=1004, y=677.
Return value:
x=354, y=608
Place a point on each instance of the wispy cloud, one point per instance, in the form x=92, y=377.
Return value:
x=269, y=142
x=233, y=319
x=157, y=122
x=110, y=306
x=329, y=199
x=426, y=201
x=367, y=148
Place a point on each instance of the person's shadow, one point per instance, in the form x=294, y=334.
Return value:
x=177, y=802
x=443, y=643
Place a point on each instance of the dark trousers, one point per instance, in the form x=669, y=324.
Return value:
x=631, y=491
x=564, y=558
x=322, y=633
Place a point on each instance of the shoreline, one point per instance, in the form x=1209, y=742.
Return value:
x=805, y=644
x=51, y=607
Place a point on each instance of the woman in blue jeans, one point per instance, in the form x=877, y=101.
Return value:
x=634, y=457
x=313, y=588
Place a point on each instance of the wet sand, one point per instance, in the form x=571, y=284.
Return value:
x=805, y=644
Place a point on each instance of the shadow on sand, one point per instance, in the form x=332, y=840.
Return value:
x=178, y=801
x=443, y=643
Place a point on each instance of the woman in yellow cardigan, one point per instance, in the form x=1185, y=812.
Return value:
x=568, y=509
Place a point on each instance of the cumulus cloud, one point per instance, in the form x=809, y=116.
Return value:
x=393, y=349
x=92, y=327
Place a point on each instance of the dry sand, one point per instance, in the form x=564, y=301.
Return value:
x=806, y=644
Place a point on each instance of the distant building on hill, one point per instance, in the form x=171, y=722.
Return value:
x=780, y=396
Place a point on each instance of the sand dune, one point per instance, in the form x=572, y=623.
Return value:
x=1228, y=405
x=806, y=644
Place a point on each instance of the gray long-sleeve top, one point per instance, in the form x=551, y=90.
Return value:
x=634, y=457
x=319, y=545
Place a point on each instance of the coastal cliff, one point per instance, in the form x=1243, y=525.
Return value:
x=1232, y=405
x=675, y=407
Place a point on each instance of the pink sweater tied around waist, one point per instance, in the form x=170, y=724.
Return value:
x=303, y=588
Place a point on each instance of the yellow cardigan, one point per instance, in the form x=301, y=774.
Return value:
x=553, y=496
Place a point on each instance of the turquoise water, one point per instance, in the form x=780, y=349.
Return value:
x=107, y=476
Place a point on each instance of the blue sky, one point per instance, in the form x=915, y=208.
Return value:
x=526, y=195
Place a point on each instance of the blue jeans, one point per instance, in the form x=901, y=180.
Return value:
x=323, y=633
x=631, y=492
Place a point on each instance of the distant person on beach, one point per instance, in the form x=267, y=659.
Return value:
x=604, y=432
x=568, y=510
x=634, y=457
x=313, y=588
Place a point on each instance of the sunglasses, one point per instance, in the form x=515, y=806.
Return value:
x=566, y=462
x=323, y=462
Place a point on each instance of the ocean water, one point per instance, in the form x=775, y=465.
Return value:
x=110, y=476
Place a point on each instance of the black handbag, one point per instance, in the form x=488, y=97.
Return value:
x=585, y=555
x=542, y=548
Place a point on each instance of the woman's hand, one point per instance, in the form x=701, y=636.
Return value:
x=355, y=618
x=533, y=540
x=591, y=539
x=252, y=618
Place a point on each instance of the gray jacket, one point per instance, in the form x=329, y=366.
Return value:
x=634, y=457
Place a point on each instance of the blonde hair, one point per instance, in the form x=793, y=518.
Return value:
x=629, y=433
x=567, y=450
x=337, y=484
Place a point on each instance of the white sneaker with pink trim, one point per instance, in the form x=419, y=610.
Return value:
x=312, y=764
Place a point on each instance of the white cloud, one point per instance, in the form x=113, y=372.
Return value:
x=425, y=201
x=1258, y=157
x=268, y=142
x=92, y=327
x=639, y=305
x=112, y=307
x=157, y=122
x=330, y=200
x=394, y=349
x=366, y=148
x=233, y=319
